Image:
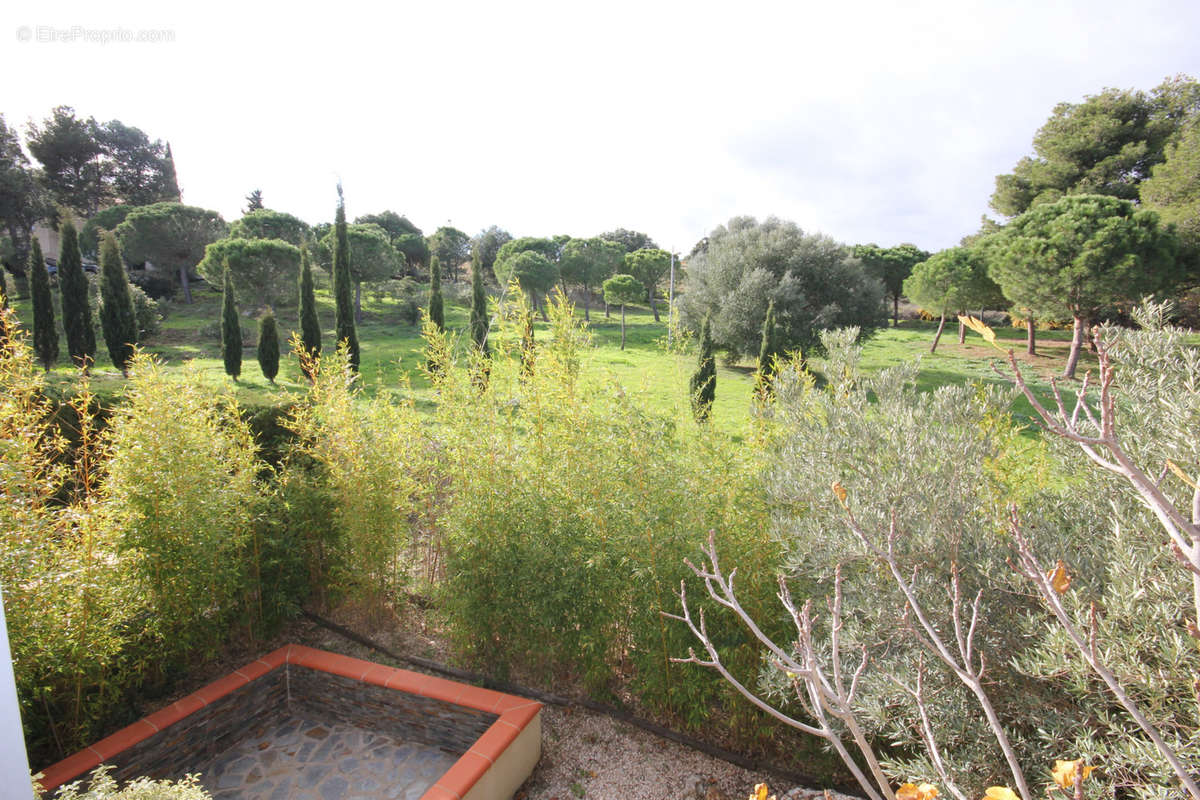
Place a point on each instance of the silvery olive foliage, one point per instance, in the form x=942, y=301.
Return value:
x=927, y=460
x=1071, y=627
x=815, y=282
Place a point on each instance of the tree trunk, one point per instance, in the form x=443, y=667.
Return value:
x=21, y=238
x=654, y=308
x=936, y=338
x=622, y=326
x=1076, y=346
x=539, y=306
x=358, y=302
x=183, y=281
x=1031, y=336
x=962, y=331
x=606, y=314
x=586, y=292
x=895, y=311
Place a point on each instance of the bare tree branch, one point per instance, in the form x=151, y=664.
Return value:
x=1029, y=566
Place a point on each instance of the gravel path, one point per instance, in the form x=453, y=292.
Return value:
x=587, y=755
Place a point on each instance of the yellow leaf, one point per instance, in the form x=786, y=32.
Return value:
x=1064, y=772
x=1001, y=793
x=760, y=792
x=1060, y=581
x=1181, y=474
x=840, y=492
x=908, y=791
x=982, y=329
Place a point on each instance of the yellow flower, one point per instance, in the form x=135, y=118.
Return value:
x=1001, y=793
x=912, y=791
x=1064, y=772
x=760, y=792
x=1058, y=577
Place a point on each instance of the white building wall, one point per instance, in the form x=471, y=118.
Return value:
x=14, y=763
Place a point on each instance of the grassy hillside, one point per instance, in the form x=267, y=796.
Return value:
x=391, y=349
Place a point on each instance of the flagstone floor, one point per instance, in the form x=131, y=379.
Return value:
x=301, y=758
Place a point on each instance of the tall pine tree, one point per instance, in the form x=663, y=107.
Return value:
x=343, y=285
x=268, y=346
x=45, y=334
x=231, y=329
x=437, y=314
x=117, y=318
x=704, y=380
x=310, y=324
x=479, y=310
x=76, y=311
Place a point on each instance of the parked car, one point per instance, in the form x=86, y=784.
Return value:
x=52, y=267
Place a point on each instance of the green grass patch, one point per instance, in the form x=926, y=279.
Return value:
x=392, y=354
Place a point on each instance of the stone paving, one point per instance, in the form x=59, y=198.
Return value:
x=299, y=757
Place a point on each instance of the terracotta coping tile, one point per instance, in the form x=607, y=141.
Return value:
x=493, y=741
x=437, y=792
x=70, y=768
x=221, y=687
x=465, y=773
x=521, y=716
x=514, y=714
x=124, y=738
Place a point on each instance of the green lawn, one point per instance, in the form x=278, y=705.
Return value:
x=390, y=348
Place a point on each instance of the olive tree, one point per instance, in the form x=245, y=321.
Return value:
x=815, y=282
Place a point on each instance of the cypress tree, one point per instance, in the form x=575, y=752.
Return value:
x=437, y=314
x=231, y=329
x=310, y=325
x=117, y=318
x=45, y=335
x=704, y=381
x=343, y=285
x=268, y=346
x=769, y=350
x=479, y=312
x=76, y=311
x=170, y=185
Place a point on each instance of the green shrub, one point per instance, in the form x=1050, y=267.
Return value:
x=572, y=508
x=102, y=786
x=180, y=489
x=371, y=455
x=69, y=603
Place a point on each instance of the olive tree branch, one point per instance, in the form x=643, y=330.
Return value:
x=931, y=639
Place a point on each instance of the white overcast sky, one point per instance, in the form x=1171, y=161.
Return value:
x=868, y=121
